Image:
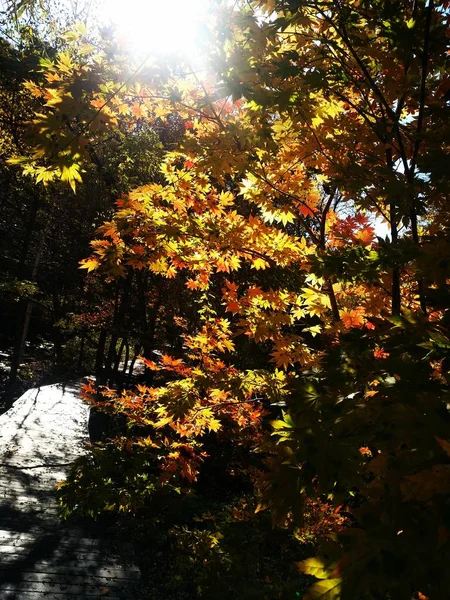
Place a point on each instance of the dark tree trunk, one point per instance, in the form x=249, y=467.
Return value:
x=393, y=217
x=57, y=336
x=81, y=353
x=23, y=324
x=148, y=336
x=99, y=357
x=122, y=307
x=125, y=365
x=137, y=350
x=118, y=357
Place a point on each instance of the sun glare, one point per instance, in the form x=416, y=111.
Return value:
x=166, y=28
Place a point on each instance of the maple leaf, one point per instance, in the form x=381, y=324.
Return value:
x=226, y=198
x=254, y=291
x=90, y=264
x=282, y=357
x=365, y=451
x=87, y=390
x=137, y=110
x=193, y=284
x=231, y=286
x=150, y=364
x=259, y=263
x=366, y=235
x=71, y=174
x=234, y=262
x=353, y=317
x=222, y=264
x=171, y=363
x=233, y=307
x=380, y=353
x=305, y=210
x=246, y=187
x=170, y=272
x=328, y=589
x=298, y=312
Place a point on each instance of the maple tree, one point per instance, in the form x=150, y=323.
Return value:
x=324, y=119
x=51, y=231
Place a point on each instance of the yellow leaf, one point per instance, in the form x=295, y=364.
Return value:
x=298, y=313
x=316, y=121
x=327, y=589
x=162, y=422
x=226, y=198
x=90, y=264
x=285, y=217
x=259, y=263
x=246, y=186
x=316, y=567
x=71, y=175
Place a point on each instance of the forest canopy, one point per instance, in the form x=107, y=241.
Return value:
x=249, y=247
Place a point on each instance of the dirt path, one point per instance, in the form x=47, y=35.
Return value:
x=40, y=557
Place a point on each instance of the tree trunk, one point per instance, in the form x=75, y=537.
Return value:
x=393, y=218
x=57, y=337
x=125, y=365
x=99, y=357
x=81, y=353
x=137, y=350
x=148, y=337
x=118, y=357
x=22, y=333
x=122, y=306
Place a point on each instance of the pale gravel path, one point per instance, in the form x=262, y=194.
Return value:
x=40, y=557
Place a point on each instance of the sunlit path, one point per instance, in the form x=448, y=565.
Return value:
x=40, y=557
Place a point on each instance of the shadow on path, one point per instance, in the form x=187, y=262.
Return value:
x=41, y=557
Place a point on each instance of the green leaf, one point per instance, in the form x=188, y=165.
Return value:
x=17, y=160
x=316, y=567
x=278, y=424
x=328, y=589
x=440, y=340
x=285, y=423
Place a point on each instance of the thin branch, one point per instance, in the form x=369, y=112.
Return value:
x=111, y=96
x=210, y=104
x=230, y=403
x=423, y=84
x=324, y=217
x=378, y=207
x=311, y=233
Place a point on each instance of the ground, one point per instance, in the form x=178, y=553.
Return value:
x=41, y=556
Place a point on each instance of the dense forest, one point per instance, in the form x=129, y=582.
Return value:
x=249, y=260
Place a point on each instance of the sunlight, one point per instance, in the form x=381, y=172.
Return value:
x=154, y=26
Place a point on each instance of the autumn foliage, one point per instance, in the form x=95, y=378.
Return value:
x=318, y=348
